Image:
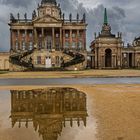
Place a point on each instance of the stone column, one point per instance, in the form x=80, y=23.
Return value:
x=53, y=38
x=35, y=38
x=84, y=39
x=128, y=60
x=19, y=40
x=115, y=61
x=26, y=40
x=11, y=40
x=133, y=60
x=103, y=61
x=95, y=63
x=77, y=40
x=42, y=39
x=70, y=39
x=61, y=39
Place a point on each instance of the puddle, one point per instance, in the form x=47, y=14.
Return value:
x=45, y=114
x=98, y=112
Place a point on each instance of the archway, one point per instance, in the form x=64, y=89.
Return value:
x=108, y=58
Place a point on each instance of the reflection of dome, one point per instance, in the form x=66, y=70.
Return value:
x=49, y=109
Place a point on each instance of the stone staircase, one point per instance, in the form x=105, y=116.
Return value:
x=18, y=60
x=77, y=58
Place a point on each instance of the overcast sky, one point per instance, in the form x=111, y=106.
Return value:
x=124, y=16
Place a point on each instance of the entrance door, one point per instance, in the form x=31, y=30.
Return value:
x=130, y=60
x=48, y=62
x=108, y=58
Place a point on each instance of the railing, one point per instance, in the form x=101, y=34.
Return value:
x=17, y=59
x=77, y=59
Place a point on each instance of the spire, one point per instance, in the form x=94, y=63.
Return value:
x=105, y=17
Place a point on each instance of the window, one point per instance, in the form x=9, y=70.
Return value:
x=30, y=35
x=23, y=45
x=80, y=44
x=73, y=44
x=16, y=45
x=38, y=59
x=73, y=35
x=80, y=34
x=57, y=60
x=125, y=55
x=67, y=35
x=66, y=44
x=23, y=35
x=40, y=35
x=57, y=35
x=30, y=45
x=16, y=34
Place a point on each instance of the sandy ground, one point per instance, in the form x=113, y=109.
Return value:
x=115, y=109
x=63, y=74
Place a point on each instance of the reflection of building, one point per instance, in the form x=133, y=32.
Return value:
x=42, y=41
x=108, y=50
x=48, y=109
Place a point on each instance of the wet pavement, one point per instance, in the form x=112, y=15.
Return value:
x=65, y=81
x=44, y=114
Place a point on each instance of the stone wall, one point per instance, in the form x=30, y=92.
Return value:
x=4, y=61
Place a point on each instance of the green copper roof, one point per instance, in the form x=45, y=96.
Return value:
x=105, y=17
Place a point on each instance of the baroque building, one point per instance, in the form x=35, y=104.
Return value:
x=49, y=110
x=106, y=48
x=131, y=55
x=48, y=40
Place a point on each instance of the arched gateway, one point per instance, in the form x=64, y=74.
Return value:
x=108, y=58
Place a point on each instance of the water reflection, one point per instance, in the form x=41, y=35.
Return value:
x=49, y=109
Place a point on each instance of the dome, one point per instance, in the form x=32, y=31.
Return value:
x=48, y=1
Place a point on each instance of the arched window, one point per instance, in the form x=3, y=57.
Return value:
x=73, y=44
x=30, y=45
x=16, y=45
x=38, y=59
x=80, y=44
x=23, y=45
x=67, y=44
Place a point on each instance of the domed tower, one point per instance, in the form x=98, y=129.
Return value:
x=107, y=48
x=106, y=28
x=49, y=7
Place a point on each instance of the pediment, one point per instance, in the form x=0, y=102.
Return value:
x=46, y=19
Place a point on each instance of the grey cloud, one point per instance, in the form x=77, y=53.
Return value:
x=119, y=18
x=17, y=3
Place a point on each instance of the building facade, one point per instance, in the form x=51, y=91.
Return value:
x=131, y=55
x=4, y=60
x=108, y=50
x=48, y=40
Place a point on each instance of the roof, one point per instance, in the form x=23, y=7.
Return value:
x=48, y=1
